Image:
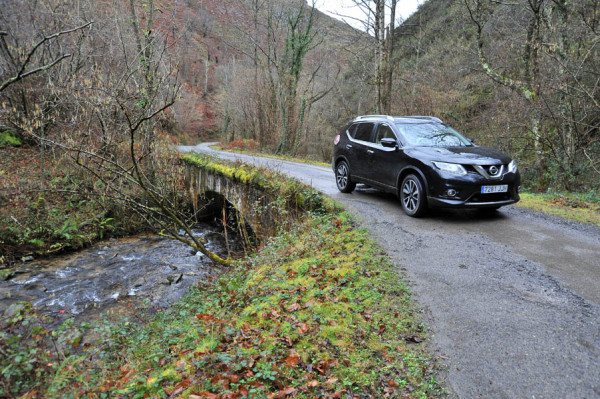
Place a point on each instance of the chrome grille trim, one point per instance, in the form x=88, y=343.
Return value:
x=481, y=170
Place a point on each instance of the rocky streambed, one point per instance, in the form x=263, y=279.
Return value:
x=113, y=275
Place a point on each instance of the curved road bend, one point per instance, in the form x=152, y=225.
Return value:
x=512, y=300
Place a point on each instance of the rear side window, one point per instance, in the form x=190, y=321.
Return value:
x=351, y=129
x=363, y=132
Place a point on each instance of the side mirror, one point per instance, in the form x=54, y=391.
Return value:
x=389, y=142
x=471, y=141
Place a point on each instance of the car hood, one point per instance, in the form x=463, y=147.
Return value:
x=464, y=155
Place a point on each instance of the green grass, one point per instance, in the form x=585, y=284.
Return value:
x=577, y=207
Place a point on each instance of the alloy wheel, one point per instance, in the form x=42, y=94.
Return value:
x=412, y=196
x=342, y=178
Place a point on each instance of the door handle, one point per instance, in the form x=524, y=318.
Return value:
x=348, y=146
x=370, y=152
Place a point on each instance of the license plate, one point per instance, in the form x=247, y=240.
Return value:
x=494, y=189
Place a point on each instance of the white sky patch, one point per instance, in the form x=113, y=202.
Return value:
x=340, y=8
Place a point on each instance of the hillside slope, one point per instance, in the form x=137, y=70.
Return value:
x=439, y=72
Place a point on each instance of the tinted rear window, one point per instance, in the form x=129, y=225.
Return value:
x=351, y=129
x=364, y=132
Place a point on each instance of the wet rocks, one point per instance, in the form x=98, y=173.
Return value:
x=6, y=274
x=174, y=278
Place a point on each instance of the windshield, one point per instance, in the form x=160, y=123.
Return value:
x=432, y=135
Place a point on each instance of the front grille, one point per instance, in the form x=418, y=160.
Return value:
x=490, y=197
x=493, y=172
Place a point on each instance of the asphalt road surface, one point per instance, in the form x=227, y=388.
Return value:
x=512, y=300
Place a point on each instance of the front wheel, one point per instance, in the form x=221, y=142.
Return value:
x=342, y=178
x=412, y=196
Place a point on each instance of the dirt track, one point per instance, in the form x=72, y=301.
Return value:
x=512, y=300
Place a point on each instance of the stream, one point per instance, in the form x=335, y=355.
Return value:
x=112, y=275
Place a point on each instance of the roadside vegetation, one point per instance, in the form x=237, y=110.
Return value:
x=319, y=311
x=577, y=207
x=252, y=147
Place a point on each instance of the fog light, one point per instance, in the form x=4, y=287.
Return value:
x=451, y=192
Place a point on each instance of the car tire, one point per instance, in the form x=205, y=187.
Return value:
x=342, y=177
x=412, y=196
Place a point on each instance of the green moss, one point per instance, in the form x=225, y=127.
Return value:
x=295, y=194
x=8, y=137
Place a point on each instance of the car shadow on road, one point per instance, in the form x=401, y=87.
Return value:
x=451, y=216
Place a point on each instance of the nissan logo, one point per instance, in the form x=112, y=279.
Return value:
x=493, y=170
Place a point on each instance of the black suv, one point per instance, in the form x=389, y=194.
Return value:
x=425, y=162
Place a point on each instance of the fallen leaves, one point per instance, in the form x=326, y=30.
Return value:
x=292, y=360
x=312, y=326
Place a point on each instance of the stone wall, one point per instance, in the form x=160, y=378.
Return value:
x=263, y=212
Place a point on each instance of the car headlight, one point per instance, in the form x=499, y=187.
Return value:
x=453, y=168
x=512, y=166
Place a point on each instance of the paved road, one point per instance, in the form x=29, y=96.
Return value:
x=512, y=300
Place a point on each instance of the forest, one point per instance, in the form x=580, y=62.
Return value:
x=520, y=75
x=95, y=93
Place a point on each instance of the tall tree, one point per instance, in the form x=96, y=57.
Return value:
x=379, y=20
x=278, y=38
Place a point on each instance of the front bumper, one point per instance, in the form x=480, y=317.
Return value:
x=449, y=203
x=468, y=190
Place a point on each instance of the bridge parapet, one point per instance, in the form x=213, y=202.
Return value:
x=264, y=200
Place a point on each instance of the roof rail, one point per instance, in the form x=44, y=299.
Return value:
x=433, y=118
x=391, y=118
x=374, y=116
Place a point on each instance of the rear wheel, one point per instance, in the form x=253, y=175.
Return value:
x=412, y=196
x=342, y=178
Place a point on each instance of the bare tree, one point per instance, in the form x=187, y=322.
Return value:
x=278, y=39
x=379, y=20
x=525, y=78
x=104, y=109
x=22, y=63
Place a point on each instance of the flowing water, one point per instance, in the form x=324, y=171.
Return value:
x=113, y=275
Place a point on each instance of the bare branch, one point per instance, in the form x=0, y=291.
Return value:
x=22, y=74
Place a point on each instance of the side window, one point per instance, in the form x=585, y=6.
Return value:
x=352, y=129
x=364, y=132
x=384, y=132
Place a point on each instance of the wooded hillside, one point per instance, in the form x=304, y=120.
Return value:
x=520, y=76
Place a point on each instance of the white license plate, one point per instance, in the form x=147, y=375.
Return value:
x=494, y=189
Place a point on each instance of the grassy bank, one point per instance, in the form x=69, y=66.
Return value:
x=319, y=311
x=46, y=207
x=582, y=208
